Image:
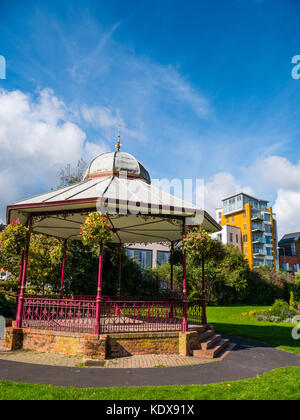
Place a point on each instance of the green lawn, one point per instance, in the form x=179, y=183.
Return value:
x=280, y=384
x=229, y=320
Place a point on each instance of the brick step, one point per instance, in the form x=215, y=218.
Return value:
x=212, y=352
x=199, y=328
x=211, y=342
x=206, y=335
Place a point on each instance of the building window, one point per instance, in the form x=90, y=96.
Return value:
x=245, y=238
x=237, y=239
x=268, y=240
x=267, y=217
x=268, y=229
x=286, y=267
x=245, y=216
x=269, y=252
x=245, y=227
x=231, y=238
x=246, y=250
x=141, y=256
x=162, y=257
x=233, y=219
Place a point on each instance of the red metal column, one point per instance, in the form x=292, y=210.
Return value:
x=184, y=296
x=19, y=284
x=172, y=279
x=172, y=268
x=203, y=295
x=63, y=270
x=23, y=282
x=99, y=291
x=119, y=272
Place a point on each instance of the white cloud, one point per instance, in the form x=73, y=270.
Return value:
x=287, y=208
x=276, y=172
x=218, y=187
x=37, y=138
x=273, y=175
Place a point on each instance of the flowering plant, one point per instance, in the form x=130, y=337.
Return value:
x=56, y=254
x=96, y=229
x=13, y=239
x=198, y=243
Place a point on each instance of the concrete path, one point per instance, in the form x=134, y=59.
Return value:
x=248, y=359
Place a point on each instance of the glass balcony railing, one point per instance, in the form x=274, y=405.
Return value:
x=258, y=239
x=257, y=216
x=259, y=252
x=258, y=227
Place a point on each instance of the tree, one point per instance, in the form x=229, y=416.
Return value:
x=70, y=175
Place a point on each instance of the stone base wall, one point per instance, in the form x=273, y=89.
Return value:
x=188, y=342
x=120, y=345
x=101, y=347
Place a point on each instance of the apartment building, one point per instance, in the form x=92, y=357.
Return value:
x=255, y=230
x=149, y=255
x=289, y=253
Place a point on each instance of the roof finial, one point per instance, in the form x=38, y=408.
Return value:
x=118, y=145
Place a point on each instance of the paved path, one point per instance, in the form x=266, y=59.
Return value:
x=248, y=359
x=138, y=361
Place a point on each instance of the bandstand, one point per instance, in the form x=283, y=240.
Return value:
x=119, y=186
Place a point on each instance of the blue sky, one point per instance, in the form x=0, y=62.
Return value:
x=203, y=89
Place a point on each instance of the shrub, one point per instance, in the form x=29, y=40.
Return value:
x=292, y=303
x=7, y=305
x=280, y=311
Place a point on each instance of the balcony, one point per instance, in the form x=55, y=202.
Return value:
x=258, y=239
x=259, y=253
x=258, y=227
x=257, y=216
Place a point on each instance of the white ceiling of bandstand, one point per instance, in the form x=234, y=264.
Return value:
x=138, y=211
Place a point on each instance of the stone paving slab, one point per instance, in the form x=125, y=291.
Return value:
x=138, y=361
x=154, y=360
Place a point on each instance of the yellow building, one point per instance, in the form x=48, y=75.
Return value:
x=257, y=225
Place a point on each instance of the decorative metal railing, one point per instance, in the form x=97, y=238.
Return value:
x=116, y=316
x=140, y=316
x=59, y=315
x=126, y=298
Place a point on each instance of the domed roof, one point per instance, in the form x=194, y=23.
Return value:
x=114, y=163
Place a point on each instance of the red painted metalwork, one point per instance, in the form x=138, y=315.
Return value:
x=119, y=272
x=99, y=291
x=59, y=315
x=19, y=285
x=63, y=269
x=133, y=316
x=140, y=316
x=23, y=282
x=172, y=268
x=184, y=295
x=203, y=297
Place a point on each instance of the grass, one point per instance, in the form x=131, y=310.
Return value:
x=229, y=320
x=280, y=384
